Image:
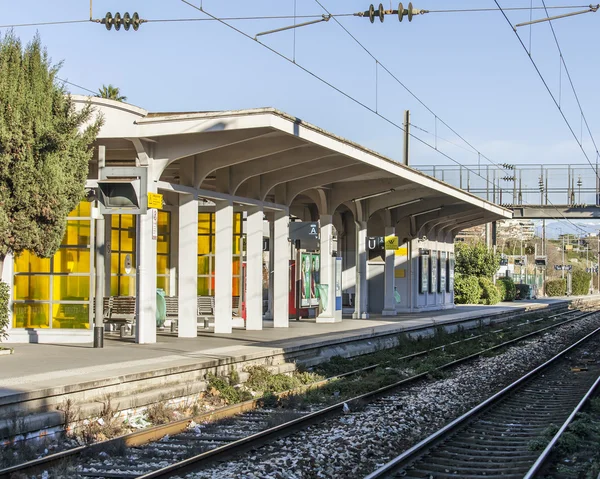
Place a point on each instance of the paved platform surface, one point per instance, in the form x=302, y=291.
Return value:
x=40, y=366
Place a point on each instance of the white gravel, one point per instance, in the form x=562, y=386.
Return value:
x=355, y=444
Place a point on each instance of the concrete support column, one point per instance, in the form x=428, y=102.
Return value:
x=187, y=268
x=223, y=267
x=281, y=273
x=327, y=269
x=146, y=278
x=389, y=303
x=254, y=283
x=361, y=292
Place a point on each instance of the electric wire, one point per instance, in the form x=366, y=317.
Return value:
x=551, y=94
x=348, y=96
x=76, y=85
x=279, y=17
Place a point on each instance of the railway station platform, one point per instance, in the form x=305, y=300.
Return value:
x=35, y=367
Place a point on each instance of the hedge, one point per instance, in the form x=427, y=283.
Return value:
x=4, y=298
x=556, y=287
x=489, y=292
x=506, y=288
x=580, y=283
x=466, y=289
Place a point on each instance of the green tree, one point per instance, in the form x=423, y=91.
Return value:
x=476, y=260
x=45, y=147
x=111, y=92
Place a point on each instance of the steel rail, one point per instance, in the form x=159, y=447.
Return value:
x=256, y=440
x=145, y=436
x=410, y=454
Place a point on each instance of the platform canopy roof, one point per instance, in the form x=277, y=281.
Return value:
x=271, y=157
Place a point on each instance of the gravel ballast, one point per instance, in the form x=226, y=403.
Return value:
x=355, y=444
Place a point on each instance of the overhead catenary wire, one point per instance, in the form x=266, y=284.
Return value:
x=348, y=96
x=556, y=103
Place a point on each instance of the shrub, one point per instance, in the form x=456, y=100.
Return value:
x=556, y=287
x=466, y=290
x=506, y=288
x=489, y=292
x=4, y=298
x=580, y=282
x=522, y=290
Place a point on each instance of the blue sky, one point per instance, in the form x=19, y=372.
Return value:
x=467, y=67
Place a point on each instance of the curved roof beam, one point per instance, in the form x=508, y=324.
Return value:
x=294, y=173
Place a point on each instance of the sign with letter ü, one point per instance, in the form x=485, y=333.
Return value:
x=391, y=243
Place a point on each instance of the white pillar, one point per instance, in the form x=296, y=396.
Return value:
x=361, y=291
x=389, y=303
x=281, y=274
x=327, y=269
x=146, y=278
x=187, y=267
x=223, y=267
x=271, y=265
x=254, y=283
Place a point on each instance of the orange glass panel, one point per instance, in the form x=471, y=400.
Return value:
x=70, y=316
x=71, y=260
x=31, y=315
x=28, y=262
x=236, y=266
x=32, y=288
x=235, y=285
x=71, y=288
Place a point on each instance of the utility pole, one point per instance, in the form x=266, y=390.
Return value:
x=406, y=136
x=563, y=255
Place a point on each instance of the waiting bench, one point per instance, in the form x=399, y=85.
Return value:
x=121, y=313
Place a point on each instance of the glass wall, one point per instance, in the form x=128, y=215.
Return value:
x=163, y=251
x=206, y=254
x=55, y=292
x=122, y=255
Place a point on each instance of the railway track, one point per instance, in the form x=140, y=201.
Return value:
x=161, y=451
x=494, y=439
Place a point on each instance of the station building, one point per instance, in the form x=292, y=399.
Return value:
x=231, y=183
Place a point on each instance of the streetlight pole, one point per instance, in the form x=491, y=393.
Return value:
x=563, y=255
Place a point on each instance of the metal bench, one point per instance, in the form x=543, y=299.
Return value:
x=206, y=309
x=172, y=304
x=235, y=305
x=122, y=314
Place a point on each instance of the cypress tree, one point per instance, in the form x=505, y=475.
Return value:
x=45, y=147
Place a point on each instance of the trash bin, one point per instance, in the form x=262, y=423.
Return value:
x=161, y=308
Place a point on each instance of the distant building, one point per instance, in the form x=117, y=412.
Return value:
x=505, y=229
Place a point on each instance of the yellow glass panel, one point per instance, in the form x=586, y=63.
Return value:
x=204, y=222
x=127, y=221
x=204, y=244
x=84, y=209
x=127, y=286
x=114, y=239
x=28, y=262
x=203, y=286
x=70, y=316
x=204, y=265
x=31, y=315
x=114, y=220
x=71, y=288
x=212, y=243
x=114, y=286
x=72, y=260
x=164, y=221
x=237, y=244
x=237, y=223
x=163, y=244
x=162, y=264
x=77, y=233
x=162, y=282
x=32, y=288
x=127, y=240
x=114, y=263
